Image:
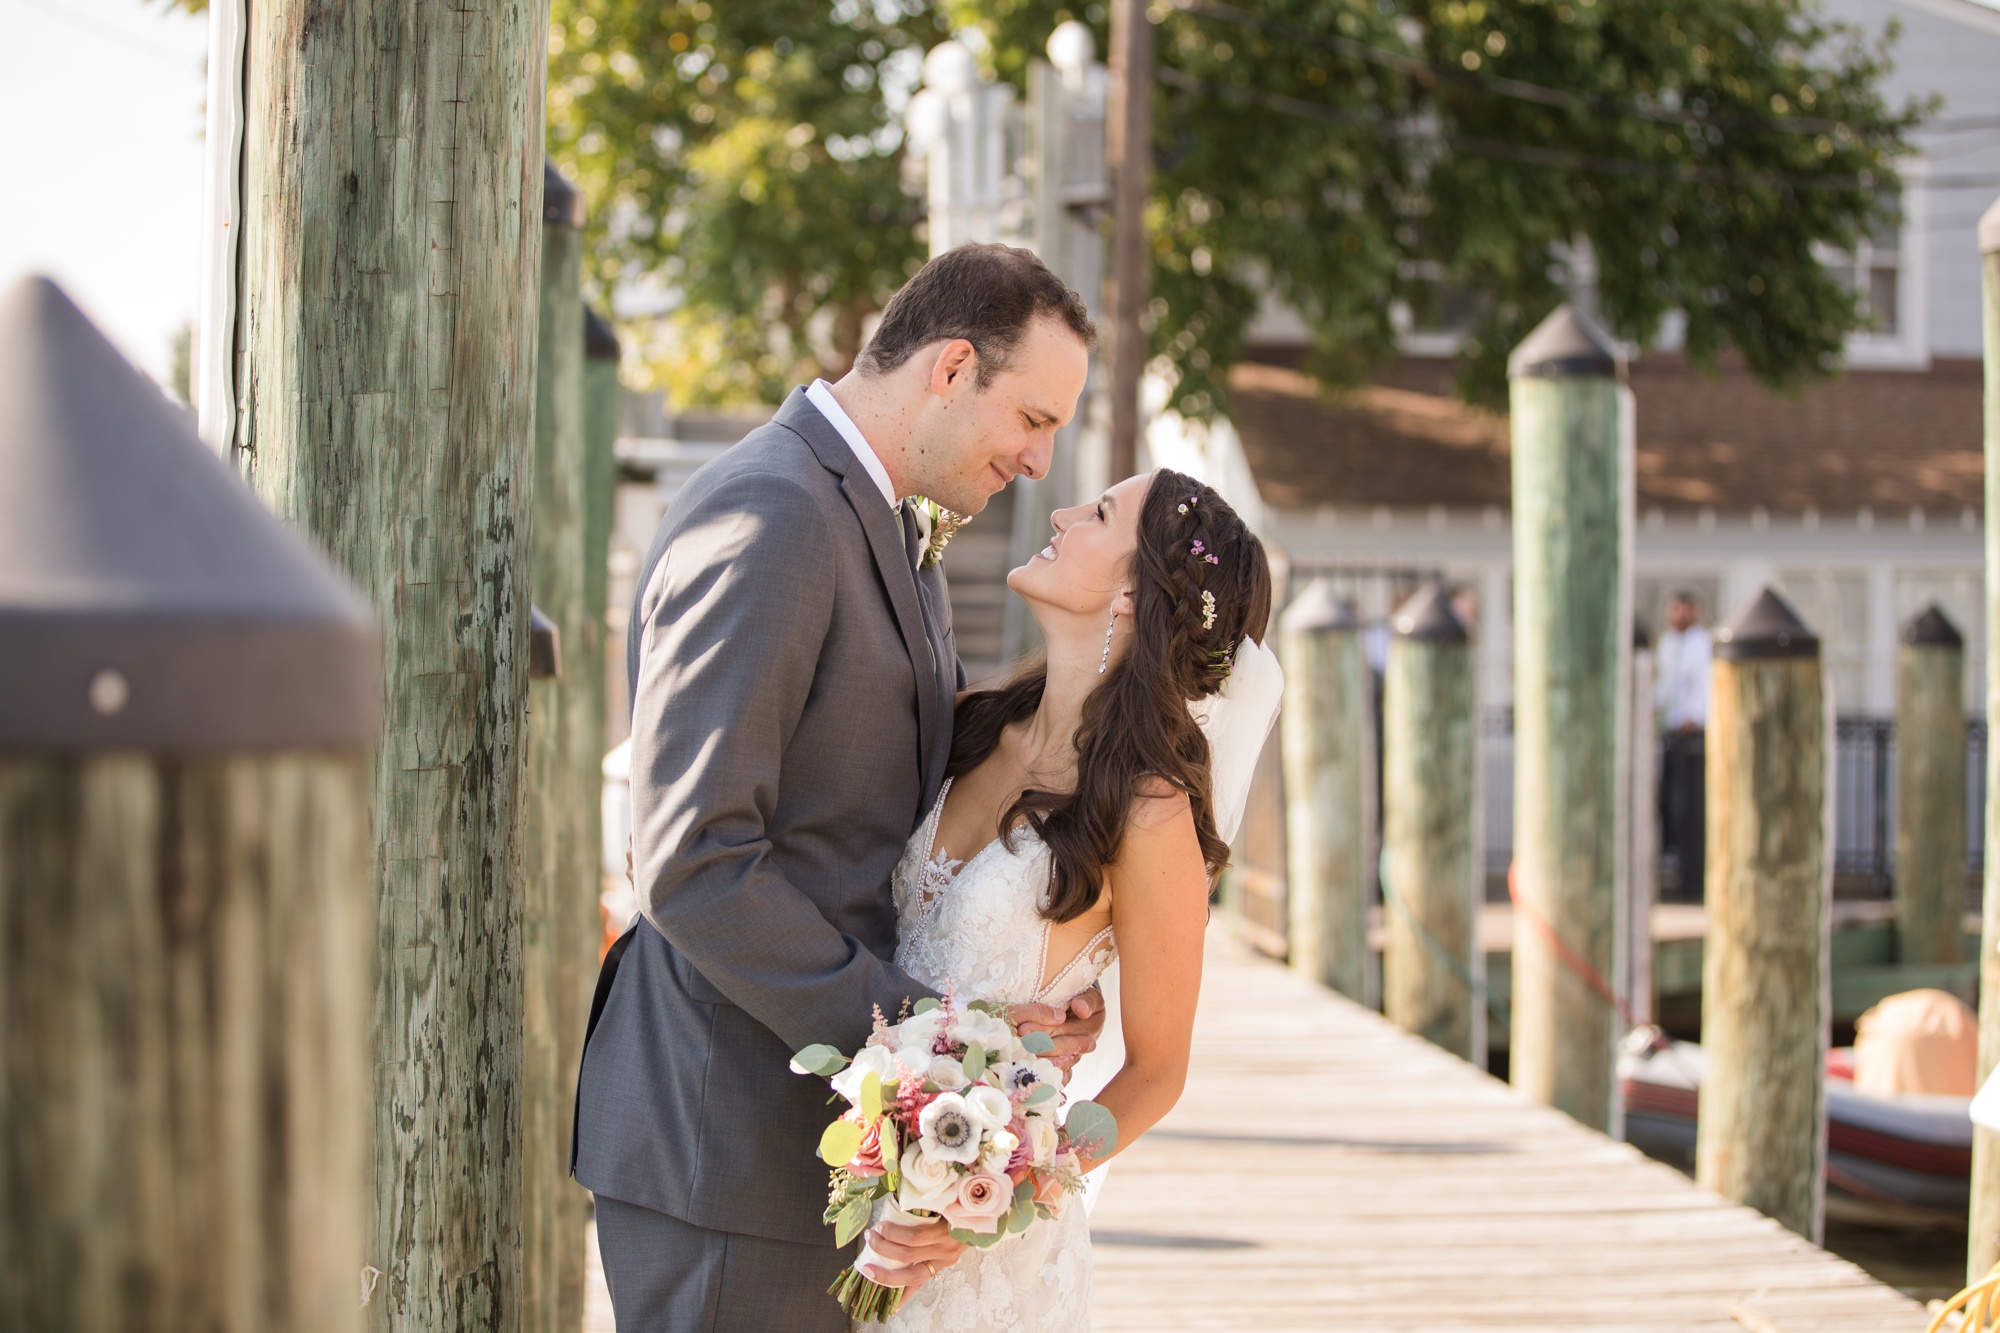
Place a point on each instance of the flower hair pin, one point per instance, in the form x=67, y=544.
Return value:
x=1191, y=500
x=1207, y=610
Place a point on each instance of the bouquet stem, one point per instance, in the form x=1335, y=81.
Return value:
x=863, y=1299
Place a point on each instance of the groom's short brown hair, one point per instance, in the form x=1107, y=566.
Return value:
x=985, y=294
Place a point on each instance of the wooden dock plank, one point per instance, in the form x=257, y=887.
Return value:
x=1327, y=1171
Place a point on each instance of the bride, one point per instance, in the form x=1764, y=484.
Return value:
x=1078, y=823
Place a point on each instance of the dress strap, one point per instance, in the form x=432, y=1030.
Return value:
x=937, y=817
x=1083, y=955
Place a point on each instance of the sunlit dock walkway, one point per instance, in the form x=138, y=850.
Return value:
x=1325, y=1170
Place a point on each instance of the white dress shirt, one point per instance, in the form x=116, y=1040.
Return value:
x=1681, y=693
x=820, y=394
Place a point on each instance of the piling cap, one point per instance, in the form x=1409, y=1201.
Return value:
x=1931, y=628
x=1316, y=610
x=1989, y=230
x=1641, y=636
x=562, y=206
x=1766, y=628
x=1428, y=618
x=1567, y=345
x=148, y=601
x=599, y=342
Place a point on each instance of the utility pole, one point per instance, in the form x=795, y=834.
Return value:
x=386, y=319
x=1130, y=145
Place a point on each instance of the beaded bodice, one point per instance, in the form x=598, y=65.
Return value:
x=977, y=924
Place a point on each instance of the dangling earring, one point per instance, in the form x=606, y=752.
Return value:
x=1109, y=630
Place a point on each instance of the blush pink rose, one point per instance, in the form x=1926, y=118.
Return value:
x=983, y=1200
x=867, y=1159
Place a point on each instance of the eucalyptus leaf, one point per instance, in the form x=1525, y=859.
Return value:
x=1043, y=1092
x=974, y=1062
x=871, y=1097
x=925, y=1005
x=1021, y=1218
x=1038, y=1043
x=839, y=1143
x=822, y=1060
x=1090, y=1125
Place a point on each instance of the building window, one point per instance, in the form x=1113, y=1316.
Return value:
x=1885, y=271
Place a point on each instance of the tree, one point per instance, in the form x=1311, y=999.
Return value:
x=744, y=162
x=1359, y=160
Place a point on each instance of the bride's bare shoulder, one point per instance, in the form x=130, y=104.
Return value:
x=1158, y=804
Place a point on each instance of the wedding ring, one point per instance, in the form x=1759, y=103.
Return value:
x=929, y=1267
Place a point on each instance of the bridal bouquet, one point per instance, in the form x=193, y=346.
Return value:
x=951, y=1114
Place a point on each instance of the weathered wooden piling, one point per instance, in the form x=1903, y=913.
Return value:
x=386, y=337
x=1930, y=790
x=1329, y=758
x=1572, y=483
x=580, y=926
x=1983, y=1247
x=187, y=909
x=1430, y=967
x=1765, y=1009
x=557, y=795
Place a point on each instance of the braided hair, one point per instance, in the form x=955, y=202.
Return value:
x=1201, y=584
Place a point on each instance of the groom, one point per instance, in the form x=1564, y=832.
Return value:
x=793, y=674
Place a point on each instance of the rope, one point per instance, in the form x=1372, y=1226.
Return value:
x=1573, y=960
x=1452, y=962
x=1976, y=1307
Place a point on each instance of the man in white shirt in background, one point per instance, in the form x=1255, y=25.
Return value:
x=1680, y=695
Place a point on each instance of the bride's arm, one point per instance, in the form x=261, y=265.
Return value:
x=1159, y=913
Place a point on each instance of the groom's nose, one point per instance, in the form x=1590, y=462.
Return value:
x=1035, y=459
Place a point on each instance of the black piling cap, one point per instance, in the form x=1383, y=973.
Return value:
x=562, y=206
x=1566, y=345
x=1641, y=636
x=1428, y=618
x=148, y=601
x=599, y=342
x=1931, y=628
x=544, y=646
x=1766, y=628
x=1316, y=610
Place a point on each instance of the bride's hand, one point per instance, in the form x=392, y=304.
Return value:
x=1075, y=1029
x=922, y=1252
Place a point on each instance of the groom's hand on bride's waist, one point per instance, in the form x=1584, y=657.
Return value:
x=1075, y=1029
x=922, y=1252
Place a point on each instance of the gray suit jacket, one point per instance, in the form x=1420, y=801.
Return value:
x=791, y=719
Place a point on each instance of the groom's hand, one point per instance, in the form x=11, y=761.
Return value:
x=1074, y=1029
x=924, y=1251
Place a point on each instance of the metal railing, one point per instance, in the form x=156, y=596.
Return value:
x=1864, y=796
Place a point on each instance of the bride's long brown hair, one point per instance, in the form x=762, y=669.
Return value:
x=1136, y=723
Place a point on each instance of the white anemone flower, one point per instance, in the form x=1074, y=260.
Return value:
x=950, y=1131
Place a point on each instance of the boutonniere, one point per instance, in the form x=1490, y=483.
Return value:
x=944, y=526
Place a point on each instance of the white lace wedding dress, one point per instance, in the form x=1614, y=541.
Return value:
x=976, y=925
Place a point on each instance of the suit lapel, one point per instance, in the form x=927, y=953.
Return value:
x=885, y=543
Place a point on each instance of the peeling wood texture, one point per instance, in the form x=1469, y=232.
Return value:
x=1766, y=1006
x=1329, y=755
x=1427, y=831
x=391, y=253
x=187, y=987
x=564, y=782
x=1572, y=500
x=1930, y=802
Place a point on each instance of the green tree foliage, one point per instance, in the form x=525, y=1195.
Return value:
x=1357, y=157
x=744, y=161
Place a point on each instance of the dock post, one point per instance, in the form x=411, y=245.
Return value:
x=580, y=924
x=1930, y=790
x=188, y=696
x=1430, y=967
x=1765, y=1006
x=561, y=887
x=1642, y=837
x=386, y=332
x=1329, y=757
x=1983, y=1247
x=1572, y=480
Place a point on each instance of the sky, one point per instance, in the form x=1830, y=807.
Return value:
x=101, y=108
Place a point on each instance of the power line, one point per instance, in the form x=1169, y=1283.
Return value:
x=1570, y=159
x=114, y=35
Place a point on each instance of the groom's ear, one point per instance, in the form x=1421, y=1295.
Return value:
x=955, y=366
